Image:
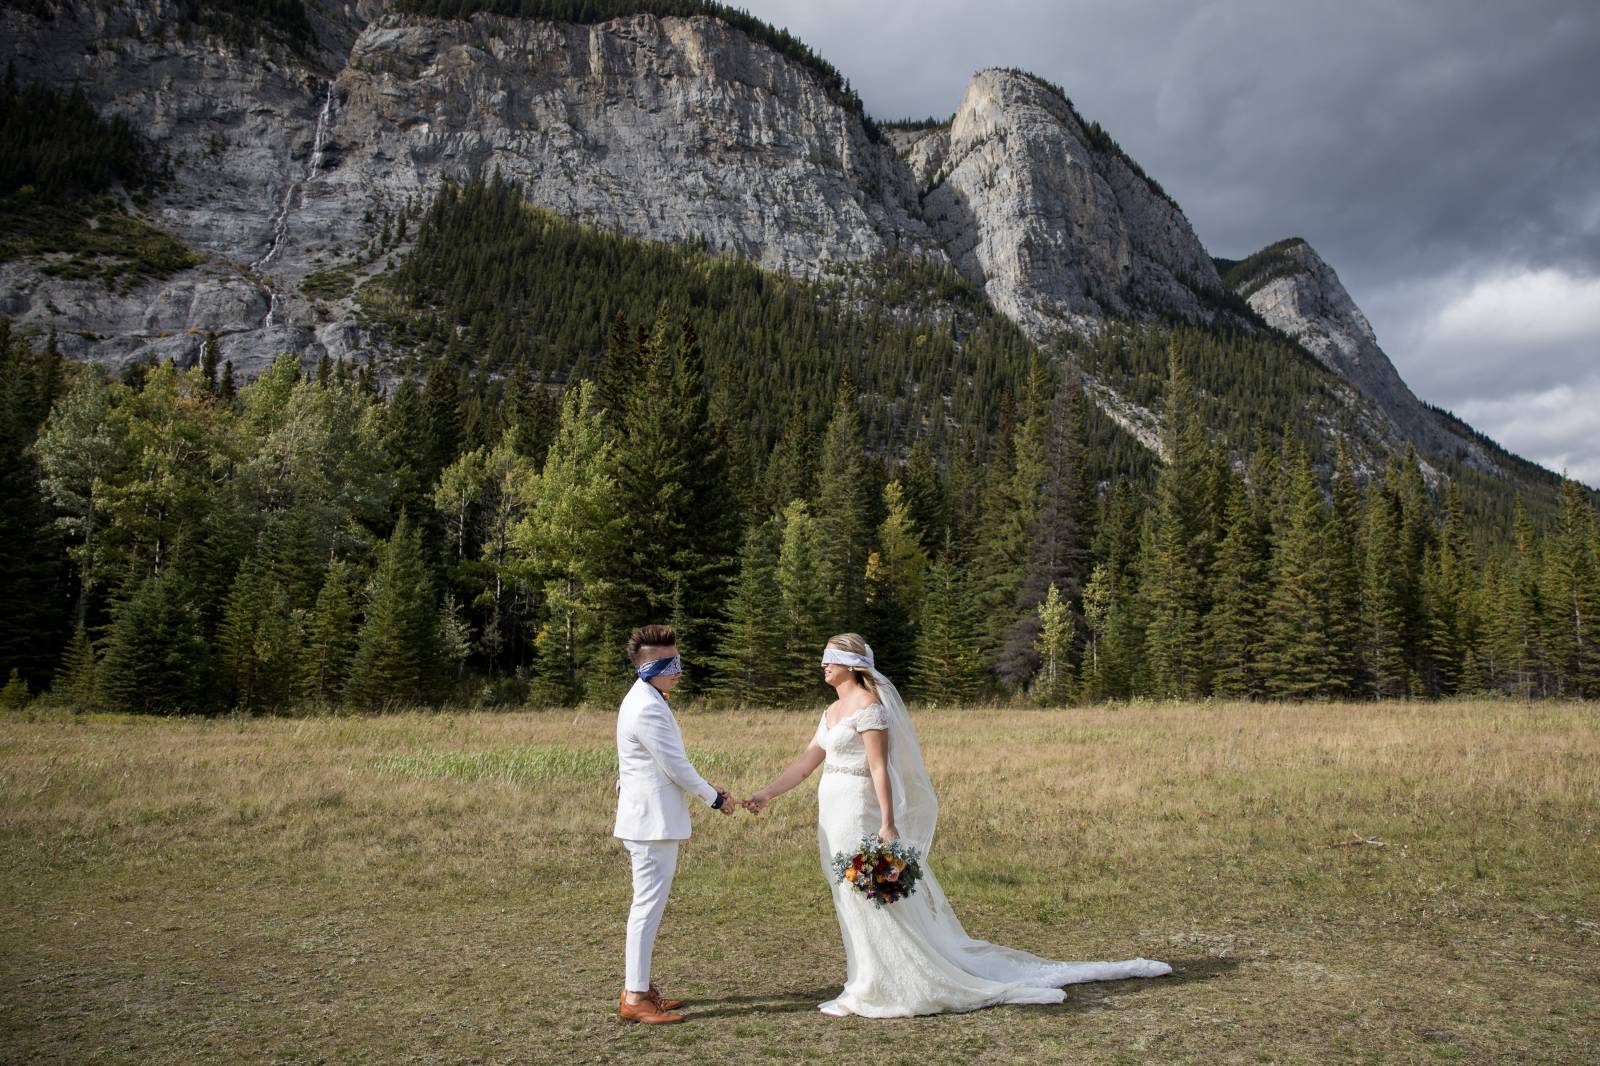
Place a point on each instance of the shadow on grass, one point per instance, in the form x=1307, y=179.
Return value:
x=1092, y=995
x=775, y=1002
x=1088, y=996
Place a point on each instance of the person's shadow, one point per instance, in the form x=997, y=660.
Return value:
x=1093, y=995
x=781, y=1002
x=1081, y=998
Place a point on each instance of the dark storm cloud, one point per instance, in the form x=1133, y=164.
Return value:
x=1442, y=155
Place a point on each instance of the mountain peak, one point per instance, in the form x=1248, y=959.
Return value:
x=1295, y=290
x=1049, y=215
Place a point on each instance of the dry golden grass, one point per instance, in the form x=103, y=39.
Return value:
x=443, y=888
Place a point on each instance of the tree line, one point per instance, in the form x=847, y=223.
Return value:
x=175, y=544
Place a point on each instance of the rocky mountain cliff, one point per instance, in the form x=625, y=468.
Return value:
x=666, y=129
x=1299, y=294
x=662, y=128
x=1056, y=228
x=291, y=160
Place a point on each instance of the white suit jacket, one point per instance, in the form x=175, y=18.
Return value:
x=654, y=775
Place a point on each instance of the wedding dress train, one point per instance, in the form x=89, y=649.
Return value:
x=913, y=956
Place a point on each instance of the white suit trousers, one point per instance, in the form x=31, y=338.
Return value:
x=654, y=863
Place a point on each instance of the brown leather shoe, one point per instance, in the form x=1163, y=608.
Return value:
x=654, y=996
x=644, y=1011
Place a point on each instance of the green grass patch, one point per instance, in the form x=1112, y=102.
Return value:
x=332, y=284
x=90, y=239
x=533, y=765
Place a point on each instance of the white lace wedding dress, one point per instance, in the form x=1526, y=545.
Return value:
x=913, y=956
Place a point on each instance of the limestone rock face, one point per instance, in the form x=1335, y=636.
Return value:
x=1056, y=227
x=667, y=129
x=288, y=162
x=1302, y=297
x=234, y=128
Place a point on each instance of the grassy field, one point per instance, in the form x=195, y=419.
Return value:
x=442, y=888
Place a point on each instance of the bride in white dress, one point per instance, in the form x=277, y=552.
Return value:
x=912, y=956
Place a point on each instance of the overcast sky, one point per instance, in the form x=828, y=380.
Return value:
x=1442, y=155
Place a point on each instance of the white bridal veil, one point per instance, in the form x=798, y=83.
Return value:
x=916, y=808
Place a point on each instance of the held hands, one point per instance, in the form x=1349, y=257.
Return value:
x=727, y=800
x=756, y=803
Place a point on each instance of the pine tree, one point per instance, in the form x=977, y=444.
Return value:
x=949, y=667
x=1529, y=666
x=622, y=363
x=1011, y=507
x=78, y=680
x=1101, y=679
x=1573, y=581
x=896, y=573
x=964, y=493
x=329, y=637
x=1446, y=603
x=1383, y=658
x=803, y=597
x=1343, y=554
x=441, y=400
x=1499, y=635
x=33, y=623
x=1176, y=553
x=1057, y=552
x=1114, y=657
x=407, y=445
x=15, y=695
x=455, y=636
x=528, y=415
x=751, y=651
x=255, y=640
x=680, y=525
x=209, y=359
x=1238, y=610
x=1297, y=654
x=1417, y=531
x=841, y=513
x=791, y=470
x=925, y=499
x=155, y=660
x=396, y=661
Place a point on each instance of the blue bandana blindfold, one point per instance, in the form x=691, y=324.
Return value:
x=660, y=667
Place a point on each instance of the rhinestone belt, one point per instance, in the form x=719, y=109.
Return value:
x=835, y=768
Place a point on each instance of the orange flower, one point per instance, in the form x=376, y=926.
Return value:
x=850, y=873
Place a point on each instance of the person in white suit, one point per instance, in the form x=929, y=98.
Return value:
x=654, y=781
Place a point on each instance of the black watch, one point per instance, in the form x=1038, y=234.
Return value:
x=722, y=798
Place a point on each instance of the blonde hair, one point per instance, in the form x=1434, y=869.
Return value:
x=855, y=644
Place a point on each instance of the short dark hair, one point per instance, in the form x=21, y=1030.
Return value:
x=656, y=636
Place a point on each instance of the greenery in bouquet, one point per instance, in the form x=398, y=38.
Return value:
x=884, y=873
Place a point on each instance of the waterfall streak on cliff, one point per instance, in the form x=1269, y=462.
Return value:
x=280, y=224
x=319, y=143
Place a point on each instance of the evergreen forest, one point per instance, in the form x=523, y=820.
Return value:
x=563, y=433
x=66, y=177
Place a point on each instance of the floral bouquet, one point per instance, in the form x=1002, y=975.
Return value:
x=884, y=873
